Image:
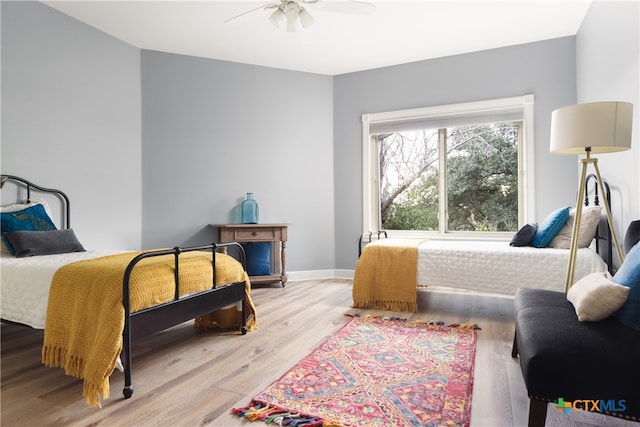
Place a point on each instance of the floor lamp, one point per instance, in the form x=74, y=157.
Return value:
x=598, y=127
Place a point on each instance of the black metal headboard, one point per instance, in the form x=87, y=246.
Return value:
x=28, y=185
x=604, y=244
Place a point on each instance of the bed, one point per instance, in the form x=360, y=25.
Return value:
x=389, y=270
x=93, y=303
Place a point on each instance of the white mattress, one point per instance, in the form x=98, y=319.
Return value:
x=496, y=267
x=25, y=284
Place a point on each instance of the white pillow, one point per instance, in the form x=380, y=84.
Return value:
x=588, y=224
x=595, y=297
x=20, y=206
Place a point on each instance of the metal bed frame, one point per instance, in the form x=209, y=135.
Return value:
x=603, y=233
x=159, y=317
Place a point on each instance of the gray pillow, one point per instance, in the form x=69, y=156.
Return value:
x=30, y=243
x=524, y=235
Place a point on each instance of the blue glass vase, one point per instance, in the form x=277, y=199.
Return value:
x=249, y=210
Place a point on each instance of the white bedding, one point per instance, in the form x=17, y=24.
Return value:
x=25, y=284
x=496, y=267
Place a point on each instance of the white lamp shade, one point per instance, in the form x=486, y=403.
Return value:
x=604, y=127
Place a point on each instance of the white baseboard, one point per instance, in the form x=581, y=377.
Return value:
x=319, y=275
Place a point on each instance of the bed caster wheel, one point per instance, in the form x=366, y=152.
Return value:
x=127, y=392
x=243, y=330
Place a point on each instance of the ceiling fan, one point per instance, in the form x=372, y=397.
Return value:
x=294, y=11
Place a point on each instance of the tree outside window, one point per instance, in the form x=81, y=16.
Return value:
x=471, y=169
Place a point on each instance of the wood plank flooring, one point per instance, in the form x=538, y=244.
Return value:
x=186, y=377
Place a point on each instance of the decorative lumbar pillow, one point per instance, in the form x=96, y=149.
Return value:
x=524, y=235
x=589, y=221
x=551, y=225
x=629, y=275
x=31, y=243
x=596, y=297
x=258, y=258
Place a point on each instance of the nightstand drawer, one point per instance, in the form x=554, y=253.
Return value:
x=254, y=234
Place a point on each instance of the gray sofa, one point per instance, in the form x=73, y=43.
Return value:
x=587, y=365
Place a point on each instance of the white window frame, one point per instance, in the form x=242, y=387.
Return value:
x=493, y=107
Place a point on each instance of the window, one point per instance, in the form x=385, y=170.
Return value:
x=454, y=169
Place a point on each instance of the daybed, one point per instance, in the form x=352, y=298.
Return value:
x=92, y=304
x=582, y=349
x=389, y=270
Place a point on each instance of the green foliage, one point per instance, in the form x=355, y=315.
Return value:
x=482, y=182
x=418, y=209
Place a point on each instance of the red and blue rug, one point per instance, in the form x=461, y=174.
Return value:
x=376, y=372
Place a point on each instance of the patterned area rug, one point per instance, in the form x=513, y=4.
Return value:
x=376, y=372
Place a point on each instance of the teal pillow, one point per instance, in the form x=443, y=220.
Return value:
x=33, y=218
x=551, y=225
x=258, y=258
x=629, y=275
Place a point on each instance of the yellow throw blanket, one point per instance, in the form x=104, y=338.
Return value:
x=85, y=315
x=386, y=276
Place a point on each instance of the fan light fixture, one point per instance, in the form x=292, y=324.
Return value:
x=292, y=10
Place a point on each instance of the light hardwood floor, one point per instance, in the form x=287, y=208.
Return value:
x=185, y=377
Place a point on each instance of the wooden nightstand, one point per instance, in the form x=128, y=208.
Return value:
x=276, y=233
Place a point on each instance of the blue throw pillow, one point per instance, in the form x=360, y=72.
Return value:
x=258, y=258
x=551, y=225
x=629, y=275
x=33, y=218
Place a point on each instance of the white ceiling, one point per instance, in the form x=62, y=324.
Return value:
x=398, y=32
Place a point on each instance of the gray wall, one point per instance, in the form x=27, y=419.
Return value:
x=71, y=119
x=214, y=130
x=152, y=147
x=545, y=69
x=608, y=46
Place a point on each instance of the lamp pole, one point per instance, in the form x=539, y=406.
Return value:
x=576, y=224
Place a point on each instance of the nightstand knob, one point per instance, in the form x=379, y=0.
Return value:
x=255, y=233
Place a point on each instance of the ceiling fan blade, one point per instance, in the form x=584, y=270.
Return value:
x=267, y=6
x=353, y=7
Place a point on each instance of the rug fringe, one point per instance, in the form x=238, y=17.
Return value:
x=388, y=305
x=426, y=322
x=269, y=414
